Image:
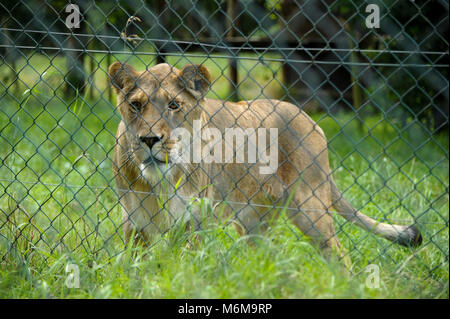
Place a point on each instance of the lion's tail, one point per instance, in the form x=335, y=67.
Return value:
x=403, y=235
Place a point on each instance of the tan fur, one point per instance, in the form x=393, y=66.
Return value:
x=303, y=161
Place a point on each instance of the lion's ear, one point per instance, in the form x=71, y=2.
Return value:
x=123, y=76
x=196, y=79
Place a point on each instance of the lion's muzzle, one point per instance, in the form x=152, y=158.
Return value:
x=157, y=151
x=150, y=141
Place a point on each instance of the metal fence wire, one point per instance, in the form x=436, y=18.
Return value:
x=92, y=93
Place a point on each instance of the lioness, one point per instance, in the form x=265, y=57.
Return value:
x=155, y=102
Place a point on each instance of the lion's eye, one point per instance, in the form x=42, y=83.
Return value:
x=174, y=105
x=136, y=105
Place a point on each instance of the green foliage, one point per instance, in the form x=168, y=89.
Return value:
x=416, y=91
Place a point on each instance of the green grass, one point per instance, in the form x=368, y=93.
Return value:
x=57, y=207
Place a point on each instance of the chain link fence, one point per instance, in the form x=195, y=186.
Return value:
x=372, y=74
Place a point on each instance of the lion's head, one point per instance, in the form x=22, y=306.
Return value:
x=153, y=103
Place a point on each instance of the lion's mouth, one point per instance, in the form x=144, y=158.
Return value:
x=152, y=160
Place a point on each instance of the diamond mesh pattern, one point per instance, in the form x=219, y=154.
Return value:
x=379, y=94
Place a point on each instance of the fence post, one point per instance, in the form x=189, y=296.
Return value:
x=160, y=56
x=75, y=76
x=91, y=70
x=232, y=64
x=357, y=92
x=109, y=87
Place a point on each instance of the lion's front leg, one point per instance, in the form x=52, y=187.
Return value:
x=142, y=219
x=132, y=233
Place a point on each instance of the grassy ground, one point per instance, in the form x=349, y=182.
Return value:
x=57, y=208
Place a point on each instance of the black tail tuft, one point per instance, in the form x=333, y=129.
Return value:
x=417, y=236
x=411, y=237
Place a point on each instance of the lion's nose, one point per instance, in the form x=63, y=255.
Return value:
x=149, y=140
